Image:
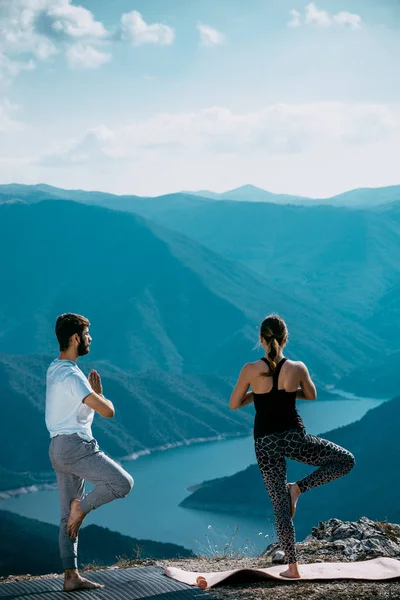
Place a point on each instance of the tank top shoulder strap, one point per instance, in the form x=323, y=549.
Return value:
x=275, y=376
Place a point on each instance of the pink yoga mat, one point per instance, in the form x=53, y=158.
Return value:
x=373, y=570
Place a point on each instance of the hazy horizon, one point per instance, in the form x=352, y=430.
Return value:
x=197, y=192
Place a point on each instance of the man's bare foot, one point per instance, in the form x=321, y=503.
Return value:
x=292, y=572
x=201, y=582
x=73, y=581
x=75, y=519
x=294, y=492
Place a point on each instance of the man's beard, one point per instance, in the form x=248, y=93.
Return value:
x=83, y=348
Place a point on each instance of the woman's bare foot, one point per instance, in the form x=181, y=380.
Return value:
x=294, y=492
x=73, y=581
x=292, y=572
x=75, y=519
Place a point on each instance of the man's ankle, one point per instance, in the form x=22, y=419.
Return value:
x=70, y=573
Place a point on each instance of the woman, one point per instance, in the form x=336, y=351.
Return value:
x=279, y=431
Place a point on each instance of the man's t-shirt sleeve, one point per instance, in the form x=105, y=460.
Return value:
x=80, y=387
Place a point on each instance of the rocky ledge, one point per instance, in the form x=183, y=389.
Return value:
x=341, y=541
x=333, y=540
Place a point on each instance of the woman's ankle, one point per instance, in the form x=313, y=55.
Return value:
x=292, y=571
x=294, y=568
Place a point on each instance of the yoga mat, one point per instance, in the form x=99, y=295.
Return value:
x=372, y=570
x=121, y=584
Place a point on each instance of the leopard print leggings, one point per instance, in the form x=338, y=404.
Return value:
x=271, y=450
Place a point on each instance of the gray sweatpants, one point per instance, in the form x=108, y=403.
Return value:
x=74, y=461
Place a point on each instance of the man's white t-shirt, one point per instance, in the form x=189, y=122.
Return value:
x=66, y=387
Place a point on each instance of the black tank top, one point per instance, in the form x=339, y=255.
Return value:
x=275, y=410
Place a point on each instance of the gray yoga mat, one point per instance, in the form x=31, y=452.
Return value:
x=121, y=584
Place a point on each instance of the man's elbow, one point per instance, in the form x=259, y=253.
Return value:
x=109, y=413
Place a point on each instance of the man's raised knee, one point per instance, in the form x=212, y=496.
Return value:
x=125, y=485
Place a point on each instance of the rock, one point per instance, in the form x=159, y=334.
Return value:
x=270, y=549
x=278, y=556
x=346, y=530
x=352, y=541
x=148, y=562
x=336, y=540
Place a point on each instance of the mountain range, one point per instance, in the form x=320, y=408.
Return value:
x=157, y=298
x=357, y=198
x=346, y=258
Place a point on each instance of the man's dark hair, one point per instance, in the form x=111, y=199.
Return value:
x=67, y=325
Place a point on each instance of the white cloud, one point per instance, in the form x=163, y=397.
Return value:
x=136, y=30
x=210, y=36
x=348, y=19
x=314, y=149
x=44, y=49
x=279, y=129
x=84, y=56
x=97, y=146
x=296, y=18
x=33, y=31
x=40, y=29
x=74, y=21
x=314, y=16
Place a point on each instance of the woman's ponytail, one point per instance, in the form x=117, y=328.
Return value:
x=274, y=331
x=273, y=353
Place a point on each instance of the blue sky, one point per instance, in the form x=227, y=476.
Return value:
x=155, y=96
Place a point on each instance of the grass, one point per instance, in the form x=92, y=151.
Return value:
x=221, y=544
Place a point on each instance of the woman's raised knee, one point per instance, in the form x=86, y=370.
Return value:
x=350, y=462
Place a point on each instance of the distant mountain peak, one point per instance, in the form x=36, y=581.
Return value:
x=248, y=187
x=252, y=193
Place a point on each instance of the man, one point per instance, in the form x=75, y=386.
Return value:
x=71, y=401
